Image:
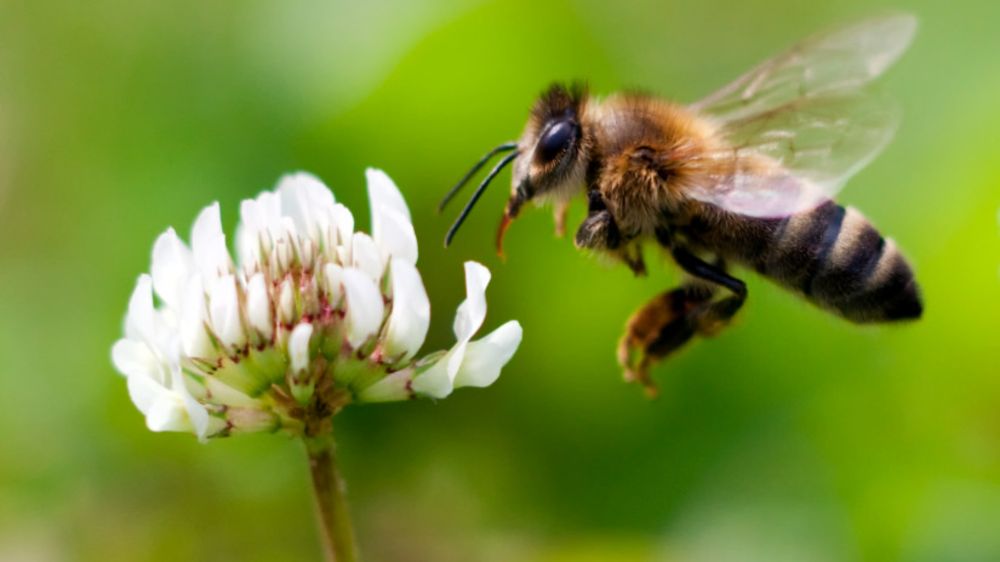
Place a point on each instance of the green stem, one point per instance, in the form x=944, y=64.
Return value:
x=336, y=530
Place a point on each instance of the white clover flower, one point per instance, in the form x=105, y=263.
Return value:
x=310, y=317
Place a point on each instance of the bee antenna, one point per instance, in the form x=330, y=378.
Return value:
x=475, y=196
x=482, y=162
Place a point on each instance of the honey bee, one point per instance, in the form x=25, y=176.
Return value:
x=745, y=176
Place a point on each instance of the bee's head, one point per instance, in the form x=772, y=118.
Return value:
x=550, y=158
x=552, y=152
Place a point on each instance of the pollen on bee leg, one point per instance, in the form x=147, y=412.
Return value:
x=635, y=364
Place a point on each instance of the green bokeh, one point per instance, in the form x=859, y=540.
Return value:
x=793, y=436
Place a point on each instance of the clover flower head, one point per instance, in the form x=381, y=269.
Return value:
x=311, y=316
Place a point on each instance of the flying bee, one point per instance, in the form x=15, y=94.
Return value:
x=745, y=176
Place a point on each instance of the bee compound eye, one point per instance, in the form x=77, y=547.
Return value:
x=554, y=140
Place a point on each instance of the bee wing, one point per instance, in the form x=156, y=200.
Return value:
x=797, y=126
x=782, y=163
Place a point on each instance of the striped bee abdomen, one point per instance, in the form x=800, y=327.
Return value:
x=837, y=259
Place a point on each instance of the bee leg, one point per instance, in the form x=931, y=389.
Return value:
x=656, y=330
x=712, y=317
x=667, y=322
x=598, y=232
x=632, y=256
x=559, y=215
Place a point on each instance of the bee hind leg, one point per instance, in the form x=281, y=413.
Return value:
x=667, y=322
x=712, y=317
x=660, y=327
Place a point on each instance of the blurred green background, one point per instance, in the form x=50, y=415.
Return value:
x=793, y=436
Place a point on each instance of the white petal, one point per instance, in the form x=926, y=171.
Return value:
x=139, y=323
x=392, y=228
x=435, y=382
x=286, y=248
x=253, y=241
x=366, y=256
x=365, y=308
x=344, y=221
x=196, y=413
x=207, y=226
x=455, y=357
x=259, y=305
x=411, y=311
x=224, y=312
x=269, y=209
x=209, y=244
x=329, y=243
x=319, y=193
x=322, y=203
x=382, y=192
x=167, y=409
x=485, y=357
x=391, y=388
x=248, y=248
x=195, y=341
x=333, y=279
x=306, y=200
x=308, y=250
x=298, y=346
x=286, y=302
x=394, y=235
x=144, y=392
x=167, y=413
x=172, y=265
x=262, y=214
x=471, y=313
x=252, y=215
x=134, y=359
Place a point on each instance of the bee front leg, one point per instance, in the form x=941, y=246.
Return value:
x=600, y=232
x=559, y=214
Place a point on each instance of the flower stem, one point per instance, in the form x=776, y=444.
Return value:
x=335, y=527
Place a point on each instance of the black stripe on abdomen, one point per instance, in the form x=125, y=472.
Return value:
x=852, y=260
x=837, y=259
x=798, y=250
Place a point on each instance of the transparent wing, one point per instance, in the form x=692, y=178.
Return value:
x=750, y=185
x=839, y=61
x=803, y=119
x=782, y=163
